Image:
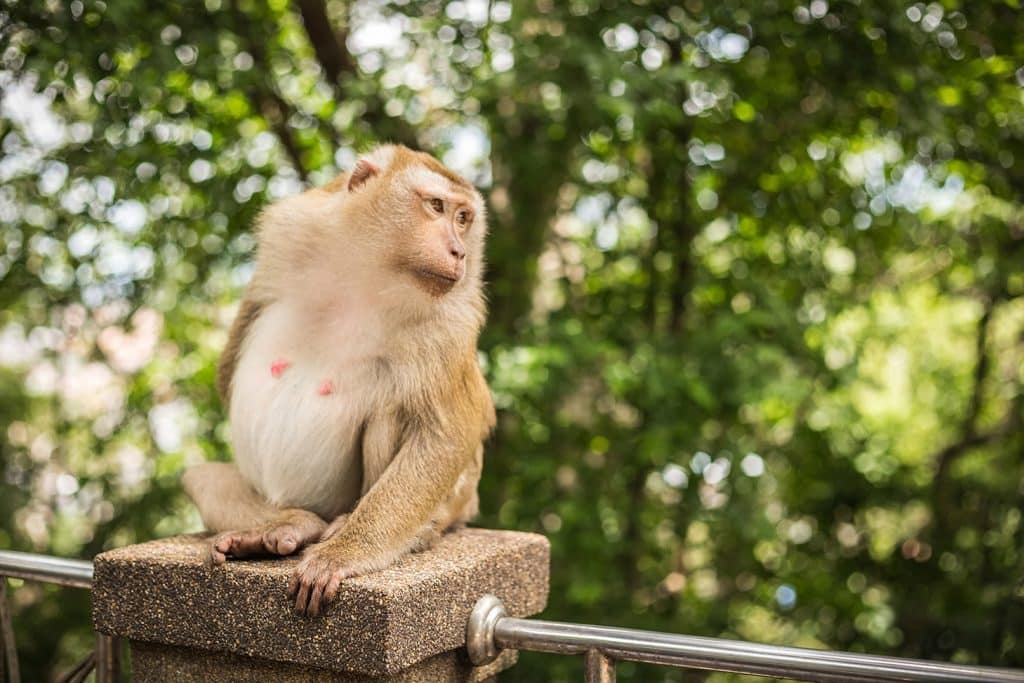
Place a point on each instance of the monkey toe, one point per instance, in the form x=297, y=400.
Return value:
x=236, y=545
x=220, y=547
x=280, y=543
x=215, y=557
x=247, y=544
x=289, y=538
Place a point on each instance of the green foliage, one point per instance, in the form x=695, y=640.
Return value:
x=757, y=295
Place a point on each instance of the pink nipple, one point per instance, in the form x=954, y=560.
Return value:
x=278, y=367
x=326, y=388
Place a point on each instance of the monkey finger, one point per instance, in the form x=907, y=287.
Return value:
x=333, y=584
x=293, y=586
x=302, y=599
x=316, y=600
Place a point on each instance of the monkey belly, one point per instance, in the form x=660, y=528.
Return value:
x=296, y=434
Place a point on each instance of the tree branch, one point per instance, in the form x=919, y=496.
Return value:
x=968, y=429
x=327, y=45
x=520, y=227
x=338, y=64
x=264, y=98
x=970, y=436
x=275, y=110
x=668, y=205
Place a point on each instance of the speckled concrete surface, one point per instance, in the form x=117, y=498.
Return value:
x=382, y=623
x=153, y=663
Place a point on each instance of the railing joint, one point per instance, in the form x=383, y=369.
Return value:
x=598, y=667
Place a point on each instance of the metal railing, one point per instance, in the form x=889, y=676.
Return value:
x=490, y=630
x=105, y=660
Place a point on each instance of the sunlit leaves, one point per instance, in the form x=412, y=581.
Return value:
x=738, y=260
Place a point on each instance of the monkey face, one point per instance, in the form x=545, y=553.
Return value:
x=442, y=217
x=430, y=219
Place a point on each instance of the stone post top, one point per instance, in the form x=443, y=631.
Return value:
x=379, y=624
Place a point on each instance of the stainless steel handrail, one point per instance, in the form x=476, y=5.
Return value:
x=64, y=572
x=33, y=567
x=490, y=630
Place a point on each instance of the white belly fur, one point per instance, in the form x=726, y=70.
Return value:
x=295, y=446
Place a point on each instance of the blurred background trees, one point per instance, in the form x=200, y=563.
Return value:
x=756, y=278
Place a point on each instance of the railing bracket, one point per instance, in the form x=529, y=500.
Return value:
x=480, y=630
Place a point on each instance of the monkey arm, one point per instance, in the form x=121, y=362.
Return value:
x=436, y=450
x=387, y=520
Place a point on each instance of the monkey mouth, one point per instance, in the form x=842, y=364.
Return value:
x=436, y=283
x=444, y=277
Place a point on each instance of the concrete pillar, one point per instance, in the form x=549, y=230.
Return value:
x=187, y=621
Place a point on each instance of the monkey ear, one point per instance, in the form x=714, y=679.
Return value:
x=363, y=171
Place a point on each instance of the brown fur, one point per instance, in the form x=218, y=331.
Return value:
x=248, y=311
x=336, y=185
x=420, y=445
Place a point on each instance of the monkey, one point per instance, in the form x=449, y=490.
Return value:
x=356, y=403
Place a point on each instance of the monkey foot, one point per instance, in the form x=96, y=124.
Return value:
x=334, y=527
x=283, y=536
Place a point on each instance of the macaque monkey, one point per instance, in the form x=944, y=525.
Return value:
x=357, y=407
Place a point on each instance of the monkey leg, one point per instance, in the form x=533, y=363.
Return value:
x=452, y=517
x=461, y=506
x=334, y=527
x=248, y=525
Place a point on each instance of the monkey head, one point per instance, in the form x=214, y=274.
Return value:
x=417, y=217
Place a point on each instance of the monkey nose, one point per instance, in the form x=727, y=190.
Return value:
x=457, y=251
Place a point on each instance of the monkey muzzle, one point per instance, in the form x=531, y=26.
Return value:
x=439, y=282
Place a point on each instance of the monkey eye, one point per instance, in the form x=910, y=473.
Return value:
x=463, y=218
x=437, y=205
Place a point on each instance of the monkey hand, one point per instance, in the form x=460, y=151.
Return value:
x=323, y=567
